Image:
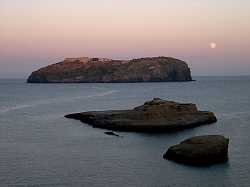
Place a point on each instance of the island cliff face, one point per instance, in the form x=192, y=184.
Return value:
x=87, y=70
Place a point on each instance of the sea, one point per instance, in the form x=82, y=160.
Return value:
x=40, y=147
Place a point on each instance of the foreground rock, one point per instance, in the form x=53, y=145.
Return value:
x=200, y=150
x=84, y=69
x=154, y=116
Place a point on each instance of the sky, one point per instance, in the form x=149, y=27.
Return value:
x=212, y=36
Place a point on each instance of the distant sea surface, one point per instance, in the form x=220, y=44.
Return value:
x=39, y=147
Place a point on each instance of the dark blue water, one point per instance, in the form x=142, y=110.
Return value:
x=39, y=147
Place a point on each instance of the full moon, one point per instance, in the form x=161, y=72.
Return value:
x=213, y=45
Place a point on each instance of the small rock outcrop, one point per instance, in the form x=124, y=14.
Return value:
x=200, y=150
x=111, y=133
x=93, y=70
x=154, y=116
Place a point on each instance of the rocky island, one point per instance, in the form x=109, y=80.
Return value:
x=200, y=150
x=156, y=115
x=103, y=70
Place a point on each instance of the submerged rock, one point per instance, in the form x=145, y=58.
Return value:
x=200, y=150
x=154, y=116
x=112, y=133
x=84, y=69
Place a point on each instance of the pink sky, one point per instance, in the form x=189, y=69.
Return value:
x=41, y=32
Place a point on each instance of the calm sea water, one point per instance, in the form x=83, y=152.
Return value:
x=39, y=147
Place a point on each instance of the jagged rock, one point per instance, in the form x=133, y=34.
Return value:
x=200, y=150
x=84, y=69
x=154, y=116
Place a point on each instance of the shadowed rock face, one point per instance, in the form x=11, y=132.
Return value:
x=154, y=116
x=84, y=69
x=200, y=150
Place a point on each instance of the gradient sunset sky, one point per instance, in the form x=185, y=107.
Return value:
x=212, y=36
